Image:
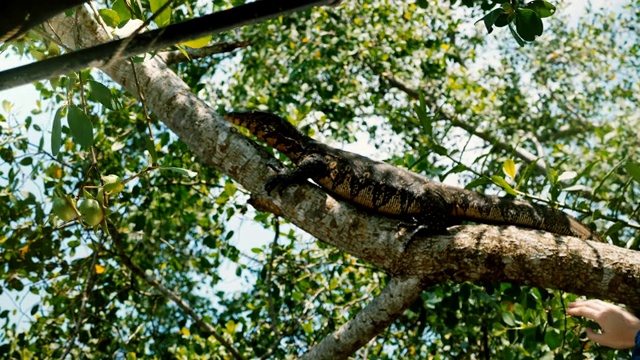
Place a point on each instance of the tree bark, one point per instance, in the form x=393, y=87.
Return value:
x=399, y=294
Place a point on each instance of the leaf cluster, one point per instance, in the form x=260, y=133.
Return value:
x=527, y=18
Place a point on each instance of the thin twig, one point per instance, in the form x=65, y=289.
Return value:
x=83, y=302
x=272, y=311
x=118, y=52
x=453, y=120
x=188, y=54
x=126, y=260
x=147, y=118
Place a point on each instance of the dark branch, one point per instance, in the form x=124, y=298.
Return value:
x=104, y=54
x=20, y=16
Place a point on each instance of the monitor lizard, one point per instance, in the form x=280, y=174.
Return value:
x=395, y=191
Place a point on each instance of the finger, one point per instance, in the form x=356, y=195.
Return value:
x=592, y=304
x=596, y=304
x=574, y=304
x=579, y=302
x=587, y=312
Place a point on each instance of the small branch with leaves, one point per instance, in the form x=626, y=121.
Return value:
x=126, y=260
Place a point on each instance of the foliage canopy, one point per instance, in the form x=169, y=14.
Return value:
x=555, y=121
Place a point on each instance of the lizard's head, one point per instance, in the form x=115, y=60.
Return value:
x=272, y=129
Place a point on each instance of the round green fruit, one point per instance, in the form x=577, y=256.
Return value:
x=91, y=212
x=64, y=209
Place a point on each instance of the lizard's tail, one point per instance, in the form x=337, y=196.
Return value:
x=476, y=207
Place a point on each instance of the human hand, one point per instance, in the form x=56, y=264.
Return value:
x=619, y=327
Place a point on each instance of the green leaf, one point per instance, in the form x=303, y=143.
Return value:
x=516, y=36
x=151, y=148
x=504, y=19
x=491, y=18
x=553, y=338
x=120, y=7
x=307, y=327
x=507, y=6
x=230, y=188
x=425, y=121
x=210, y=241
x=87, y=194
x=440, y=150
x=102, y=94
x=56, y=132
x=256, y=250
x=508, y=318
x=110, y=17
x=116, y=146
x=26, y=161
x=613, y=229
x=7, y=106
x=112, y=184
x=164, y=18
x=566, y=176
x=478, y=182
x=577, y=187
x=518, y=310
x=498, y=180
x=15, y=284
x=542, y=8
x=222, y=199
x=80, y=126
x=528, y=24
x=197, y=43
x=230, y=327
x=6, y=154
x=633, y=169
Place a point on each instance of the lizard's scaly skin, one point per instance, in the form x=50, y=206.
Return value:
x=395, y=191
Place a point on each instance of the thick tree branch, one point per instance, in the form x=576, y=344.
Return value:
x=20, y=16
x=529, y=257
x=396, y=297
